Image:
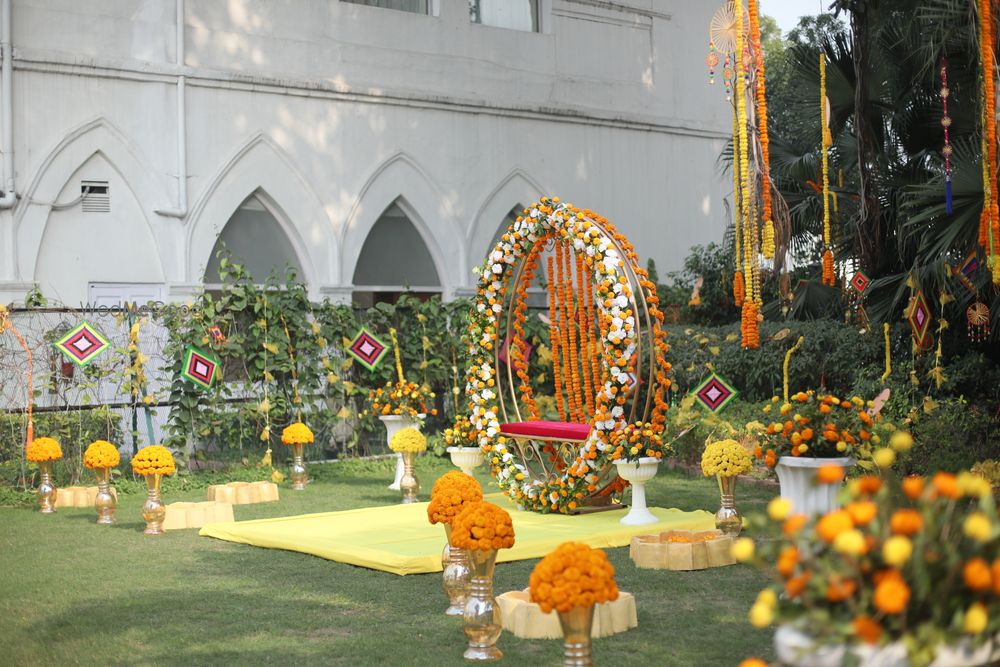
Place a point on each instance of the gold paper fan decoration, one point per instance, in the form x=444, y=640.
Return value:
x=722, y=28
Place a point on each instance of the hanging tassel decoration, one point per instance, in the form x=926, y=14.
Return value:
x=947, y=150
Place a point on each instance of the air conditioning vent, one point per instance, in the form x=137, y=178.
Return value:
x=96, y=196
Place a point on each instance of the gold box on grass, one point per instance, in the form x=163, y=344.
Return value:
x=682, y=550
x=525, y=619
x=78, y=496
x=243, y=493
x=196, y=515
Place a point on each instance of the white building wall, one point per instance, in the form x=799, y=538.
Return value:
x=334, y=110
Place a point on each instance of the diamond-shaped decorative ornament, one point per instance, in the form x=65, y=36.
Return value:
x=367, y=349
x=83, y=344
x=199, y=367
x=860, y=282
x=715, y=393
x=919, y=316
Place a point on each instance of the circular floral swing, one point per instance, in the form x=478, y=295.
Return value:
x=608, y=358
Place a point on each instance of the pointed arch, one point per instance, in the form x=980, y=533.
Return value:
x=516, y=188
x=97, y=136
x=401, y=180
x=261, y=167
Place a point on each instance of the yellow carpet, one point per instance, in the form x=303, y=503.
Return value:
x=399, y=539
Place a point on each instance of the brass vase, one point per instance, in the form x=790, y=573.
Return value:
x=728, y=518
x=299, y=475
x=408, y=485
x=455, y=576
x=46, y=489
x=104, y=501
x=482, y=613
x=576, y=626
x=153, y=510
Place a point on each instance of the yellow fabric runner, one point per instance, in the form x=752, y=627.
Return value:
x=399, y=539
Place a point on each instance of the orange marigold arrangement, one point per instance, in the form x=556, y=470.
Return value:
x=913, y=560
x=574, y=575
x=819, y=425
x=635, y=441
x=101, y=454
x=297, y=434
x=405, y=399
x=154, y=460
x=482, y=526
x=43, y=449
x=450, y=494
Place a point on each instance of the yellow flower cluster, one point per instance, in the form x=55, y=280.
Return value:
x=450, y=494
x=408, y=440
x=297, y=434
x=154, y=460
x=574, y=575
x=634, y=441
x=726, y=458
x=101, y=454
x=43, y=449
x=482, y=526
x=403, y=398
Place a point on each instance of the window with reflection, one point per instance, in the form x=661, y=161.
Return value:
x=412, y=6
x=511, y=14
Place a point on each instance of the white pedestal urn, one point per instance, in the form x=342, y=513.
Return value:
x=797, y=475
x=637, y=473
x=394, y=424
x=466, y=458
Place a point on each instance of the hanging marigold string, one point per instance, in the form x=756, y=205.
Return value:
x=554, y=337
x=784, y=367
x=583, y=328
x=749, y=326
x=739, y=288
x=888, y=353
x=767, y=234
x=592, y=331
x=517, y=349
x=989, y=234
x=829, y=276
x=565, y=327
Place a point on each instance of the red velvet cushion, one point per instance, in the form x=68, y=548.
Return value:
x=544, y=429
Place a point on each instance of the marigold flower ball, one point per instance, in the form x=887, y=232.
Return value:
x=450, y=494
x=43, y=449
x=297, y=434
x=153, y=460
x=884, y=457
x=897, y=550
x=892, y=595
x=573, y=575
x=408, y=440
x=101, y=454
x=482, y=526
x=850, y=542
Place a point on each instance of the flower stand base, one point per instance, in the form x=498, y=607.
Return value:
x=78, y=496
x=525, y=619
x=797, y=476
x=243, y=493
x=682, y=550
x=196, y=515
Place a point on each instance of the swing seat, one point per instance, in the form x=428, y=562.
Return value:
x=547, y=431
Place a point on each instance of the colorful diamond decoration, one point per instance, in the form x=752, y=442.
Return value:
x=919, y=316
x=199, y=367
x=971, y=266
x=505, y=348
x=83, y=344
x=217, y=334
x=367, y=349
x=715, y=393
x=860, y=282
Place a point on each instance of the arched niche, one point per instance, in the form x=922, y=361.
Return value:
x=254, y=237
x=394, y=259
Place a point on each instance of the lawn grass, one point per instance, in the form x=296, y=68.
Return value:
x=76, y=593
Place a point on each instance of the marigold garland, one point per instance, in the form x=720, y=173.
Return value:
x=297, y=434
x=725, y=458
x=583, y=326
x=518, y=352
x=829, y=277
x=739, y=289
x=450, y=494
x=990, y=221
x=888, y=353
x=482, y=527
x=749, y=327
x=43, y=449
x=784, y=367
x=154, y=460
x=101, y=454
x=767, y=242
x=737, y=204
x=554, y=342
x=408, y=440
x=573, y=575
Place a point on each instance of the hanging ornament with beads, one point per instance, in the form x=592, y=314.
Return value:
x=712, y=60
x=947, y=150
x=978, y=316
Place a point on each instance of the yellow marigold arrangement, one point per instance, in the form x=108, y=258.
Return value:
x=461, y=434
x=450, y=494
x=821, y=426
x=405, y=399
x=906, y=559
x=101, y=454
x=297, y=434
x=43, y=449
x=574, y=575
x=154, y=460
x=482, y=526
x=725, y=458
x=635, y=441
x=408, y=440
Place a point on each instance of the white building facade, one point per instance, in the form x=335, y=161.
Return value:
x=371, y=144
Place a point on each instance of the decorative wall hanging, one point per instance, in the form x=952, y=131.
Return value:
x=199, y=367
x=714, y=393
x=83, y=344
x=367, y=349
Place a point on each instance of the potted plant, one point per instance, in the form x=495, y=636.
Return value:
x=810, y=430
x=907, y=573
x=637, y=450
